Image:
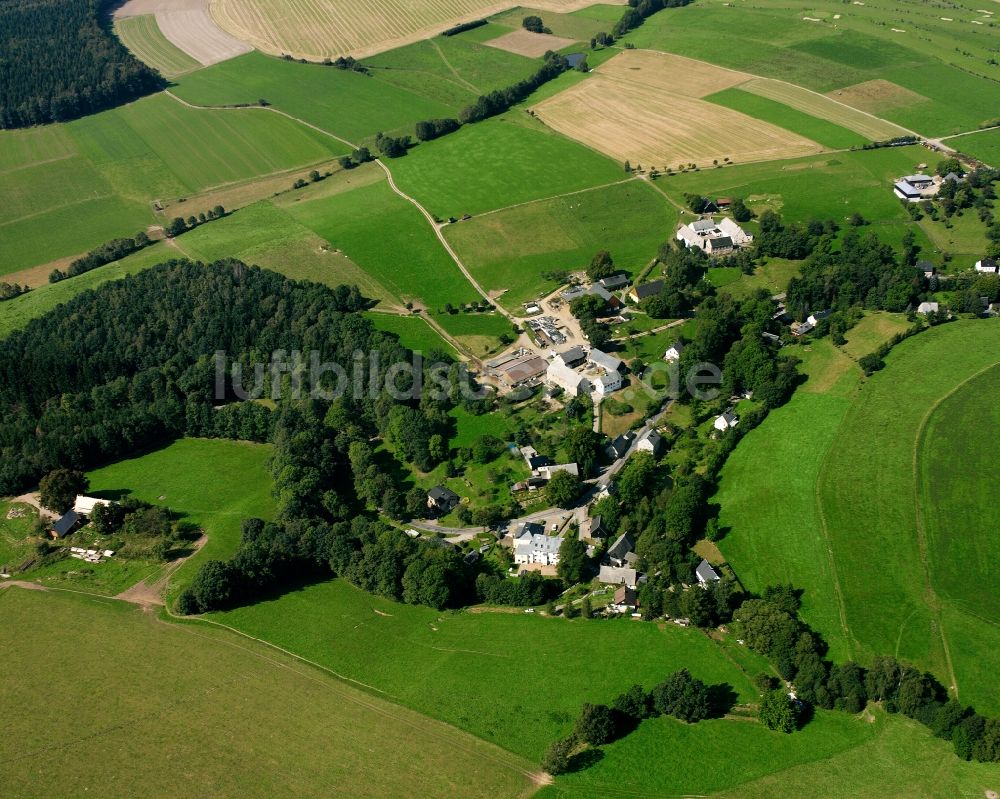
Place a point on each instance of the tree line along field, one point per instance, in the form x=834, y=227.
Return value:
x=853, y=517
x=172, y=708
x=143, y=37
x=68, y=188
x=933, y=78
x=509, y=251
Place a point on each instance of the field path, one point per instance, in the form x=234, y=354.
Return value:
x=559, y=196
x=435, y=226
x=452, y=69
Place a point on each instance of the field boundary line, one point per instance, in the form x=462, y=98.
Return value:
x=558, y=196
x=920, y=528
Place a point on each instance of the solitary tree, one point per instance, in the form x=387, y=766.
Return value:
x=563, y=489
x=557, y=758
x=572, y=560
x=777, y=711
x=58, y=489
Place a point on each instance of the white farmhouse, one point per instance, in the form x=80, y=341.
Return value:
x=673, y=353
x=561, y=376
x=714, y=238
x=533, y=546
x=726, y=421
x=987, y=266
x=605, y=384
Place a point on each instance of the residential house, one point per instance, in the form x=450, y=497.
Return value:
x=605, y=384
x=644, y=290
x=561, y=376
x=546, y=472
x=988, y=266
x=651, y=442
x=926, y=267
x=928, y=308
x=574, y=356
x=620, y=446
x=673, y=353
x=69, y=522
x=615, y=575
x=725, y=421
x=531, y=545
x=593, y=528
x=608, y=363
x=625, y=600
x=442, y=500
x=706, y=574
x=621, y=552
x=721, y=245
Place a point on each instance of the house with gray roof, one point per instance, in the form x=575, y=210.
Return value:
x=644, y=290
x=618, y=575
x=706, y=574
x=532, y=546
x=618, y=553
x=620, y=445
x=609, y=363
x=614, y=282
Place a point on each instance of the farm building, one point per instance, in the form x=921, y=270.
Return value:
x=606, y=384
x=607, y=362
x=987, y=266
x=546, y=472
x=926, y=267
x=706, y=574
x=574, y=356
x=713, y=238
x=85, y=505
x=442, y=499
x=522, y=370
x=673, y=353
x=915, y=187
x=531, y=545
x=618, y=575
x=643, y=290
x=725, y=421
x=928, y=308
x=561, y=376
x=69, y=522
x=613, y=282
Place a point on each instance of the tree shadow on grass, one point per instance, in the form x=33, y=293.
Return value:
x=721, y=698
x=585, y=759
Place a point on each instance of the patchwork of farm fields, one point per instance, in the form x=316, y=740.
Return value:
x=200, y=711
x=646, y=108
x=940, y=68
x=143, y=37
x=317, y=29
x=862, y=521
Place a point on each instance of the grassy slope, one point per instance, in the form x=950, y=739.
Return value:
x=852, y=452
x=511, y=249
x=467, y=668
x=413, y=332
x=460, y=174
x=14, y=533
x=153, y=709
x=819, y=130
x=212, y=483
x=477, y=331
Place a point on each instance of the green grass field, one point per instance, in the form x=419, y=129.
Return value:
x=348, y=104
x=384, y=235
x=142, y=36
x=499, y=162
x=479, y=332
x=835, y=756
x=17, y=522
x=511, y=249
x=845, y=518
x=134, y=706
x=464, y=668
x=91, y=180
x=819, y=130
x=944, y=64
x=985, y=146
x=413, y=332
x=212, y=483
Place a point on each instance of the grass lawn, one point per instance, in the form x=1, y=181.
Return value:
x=480, y=332
x=17, y=523
x=773, y=276
x=819, y=130
x=171, y=709
x=413, y=332
x=510, y=250
x=872, y=332
x=213, y=483
x=470, y=427
x=384, y=235
x=461, y=173
x=837, y=468
x=456, y=666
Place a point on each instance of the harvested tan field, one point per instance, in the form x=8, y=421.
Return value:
x=188, y=25
x=830, y=107
x=533, y=45
x=874, y=96
x=646, y=109
x=671, y=73
x=317, y=29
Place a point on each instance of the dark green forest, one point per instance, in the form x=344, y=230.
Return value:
x=60, y=61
